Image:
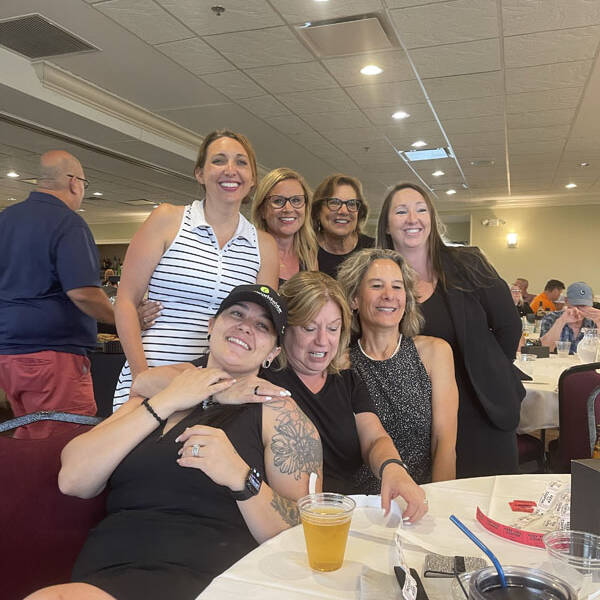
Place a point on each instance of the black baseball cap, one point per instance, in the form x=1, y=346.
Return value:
x=266, y=297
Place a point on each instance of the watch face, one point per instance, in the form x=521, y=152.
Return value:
x=253, y=481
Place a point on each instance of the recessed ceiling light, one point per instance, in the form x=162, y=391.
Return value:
x=438, y=173
x=12, y=174
x=321, y=0
x=97, y=194
x=400, y=115
x=155, y=206
x=584, y=164
x=11, y=199
x=570, y=186
x=450, y=192
x=81, y=210
x=371, y=70
x=419, y=144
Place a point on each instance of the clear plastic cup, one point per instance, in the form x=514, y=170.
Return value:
x=562, y=349
x=575, y=557
x=326, y=521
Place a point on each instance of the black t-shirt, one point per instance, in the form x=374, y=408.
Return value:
x=332, y=412
x=329, y=263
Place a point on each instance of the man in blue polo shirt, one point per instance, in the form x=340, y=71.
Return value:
x=50, y=297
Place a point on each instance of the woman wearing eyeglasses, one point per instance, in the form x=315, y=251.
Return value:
x=339, y=212
x=282, y=207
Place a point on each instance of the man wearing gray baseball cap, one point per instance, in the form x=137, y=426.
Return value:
x=566, y=324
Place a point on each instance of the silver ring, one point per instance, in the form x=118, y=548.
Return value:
x=196, y=450
x=425, y=501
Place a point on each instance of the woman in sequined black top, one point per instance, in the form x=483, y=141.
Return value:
x=410, y=378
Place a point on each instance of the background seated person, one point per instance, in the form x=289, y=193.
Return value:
x=565, y=325
x=522, y=306
x=523, y=285
x=334, y=398
x=186, y=499
x=410, y=377
x=552, y=291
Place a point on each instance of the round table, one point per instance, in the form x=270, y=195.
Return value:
x=279, y=567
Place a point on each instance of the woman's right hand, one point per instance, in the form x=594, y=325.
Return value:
x=190, y=388
x=148, y=311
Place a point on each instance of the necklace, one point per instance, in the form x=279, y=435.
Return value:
x=392, y=355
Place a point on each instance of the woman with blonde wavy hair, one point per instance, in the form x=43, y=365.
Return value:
x=282, y=207
x=333, y=397
x=410, y=377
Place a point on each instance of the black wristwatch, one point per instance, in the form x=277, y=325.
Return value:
x=397, y=461
x=251, y=485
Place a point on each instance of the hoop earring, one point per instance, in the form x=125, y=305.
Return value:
x=266, y=363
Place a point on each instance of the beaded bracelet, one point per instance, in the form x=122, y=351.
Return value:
x=385, y=463
x=153, y=412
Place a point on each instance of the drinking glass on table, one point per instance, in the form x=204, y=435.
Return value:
x=526, y=362
x=563, y=349
x=326, y=521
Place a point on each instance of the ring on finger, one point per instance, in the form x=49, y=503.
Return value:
x=196, y=450
x=256, y=390
x=425, y=501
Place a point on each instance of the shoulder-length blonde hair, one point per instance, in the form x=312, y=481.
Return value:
x=326, y=189
x=353, y=271
x=305, y=240
x=305, y=295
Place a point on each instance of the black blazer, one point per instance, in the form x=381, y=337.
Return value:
x=488, y=330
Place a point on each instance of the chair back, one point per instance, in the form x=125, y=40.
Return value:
x=42, y=529
x=574, y=388
x=593, y=409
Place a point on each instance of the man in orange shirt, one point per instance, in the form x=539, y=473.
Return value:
x=552, y=291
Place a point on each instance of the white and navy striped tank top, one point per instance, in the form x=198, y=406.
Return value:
x=191, y=279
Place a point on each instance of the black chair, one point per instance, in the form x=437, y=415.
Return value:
x=105, y=369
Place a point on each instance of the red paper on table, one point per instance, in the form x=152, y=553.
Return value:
x=527, y=538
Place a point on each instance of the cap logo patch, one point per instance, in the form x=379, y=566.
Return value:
x=264, y=289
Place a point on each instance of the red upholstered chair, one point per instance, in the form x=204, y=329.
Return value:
x=42, y=529
x=574, y=389
x=531, y=451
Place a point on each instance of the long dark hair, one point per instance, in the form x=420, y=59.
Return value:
x=468, y=266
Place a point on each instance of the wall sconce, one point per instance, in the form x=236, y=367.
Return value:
x=512, y=240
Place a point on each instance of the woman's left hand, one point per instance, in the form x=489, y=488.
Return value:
x=397, y=482
x=250, y=389
x=209, y=449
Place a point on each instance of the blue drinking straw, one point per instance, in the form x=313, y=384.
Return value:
x=477, y=541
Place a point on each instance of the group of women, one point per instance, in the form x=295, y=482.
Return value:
x=402, y=367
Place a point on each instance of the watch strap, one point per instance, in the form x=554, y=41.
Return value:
x=397, y=461
x=251, y=485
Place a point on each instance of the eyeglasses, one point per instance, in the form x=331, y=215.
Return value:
x=86, y=183
x=281, y=201
x=334, y=204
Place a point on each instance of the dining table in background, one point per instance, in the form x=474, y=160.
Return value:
x=539, y=409
x=279, y=567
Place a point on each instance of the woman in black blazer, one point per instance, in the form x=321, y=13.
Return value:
x=465, y=302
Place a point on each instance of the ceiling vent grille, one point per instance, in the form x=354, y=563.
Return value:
x=35, y=37
x=353, y=35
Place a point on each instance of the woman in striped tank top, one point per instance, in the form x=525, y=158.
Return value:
x=189, y=258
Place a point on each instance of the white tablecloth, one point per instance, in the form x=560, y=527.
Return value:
x=279, y=569
x=539, y=409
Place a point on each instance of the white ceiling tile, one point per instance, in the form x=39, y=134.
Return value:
x=305, y=103
x=488, y=138
x=473, y=124
x=468, y=152
x=325, y=149
x=541, y=118
x=476, y=85
x=520, y=160
x=551, y=46
x=470, y=107
x=408, y=3
x=300, y=11
x=196, y=56
x=357, y=134
x=533, y=147
x=346, y=69
x=264, y=106
x=403, y=140
x=234, y=84
x=386, y=94
x=310, y=138
x=457, y=59
x=293, y=77
x=238, y=16
x=538, y=134
x=409, y=132
x=145, y=19
x=544, y=15
x=528, y=79
x=337, y=120
x=447, y=23
x=543, y=100
x=360, y=149
x=288, y=124
x=383, y=116
x=259, y=48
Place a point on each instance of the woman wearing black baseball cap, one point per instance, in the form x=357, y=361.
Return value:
x=188, y=476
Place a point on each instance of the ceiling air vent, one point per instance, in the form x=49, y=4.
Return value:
x=36, y=37
x=351, y=35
